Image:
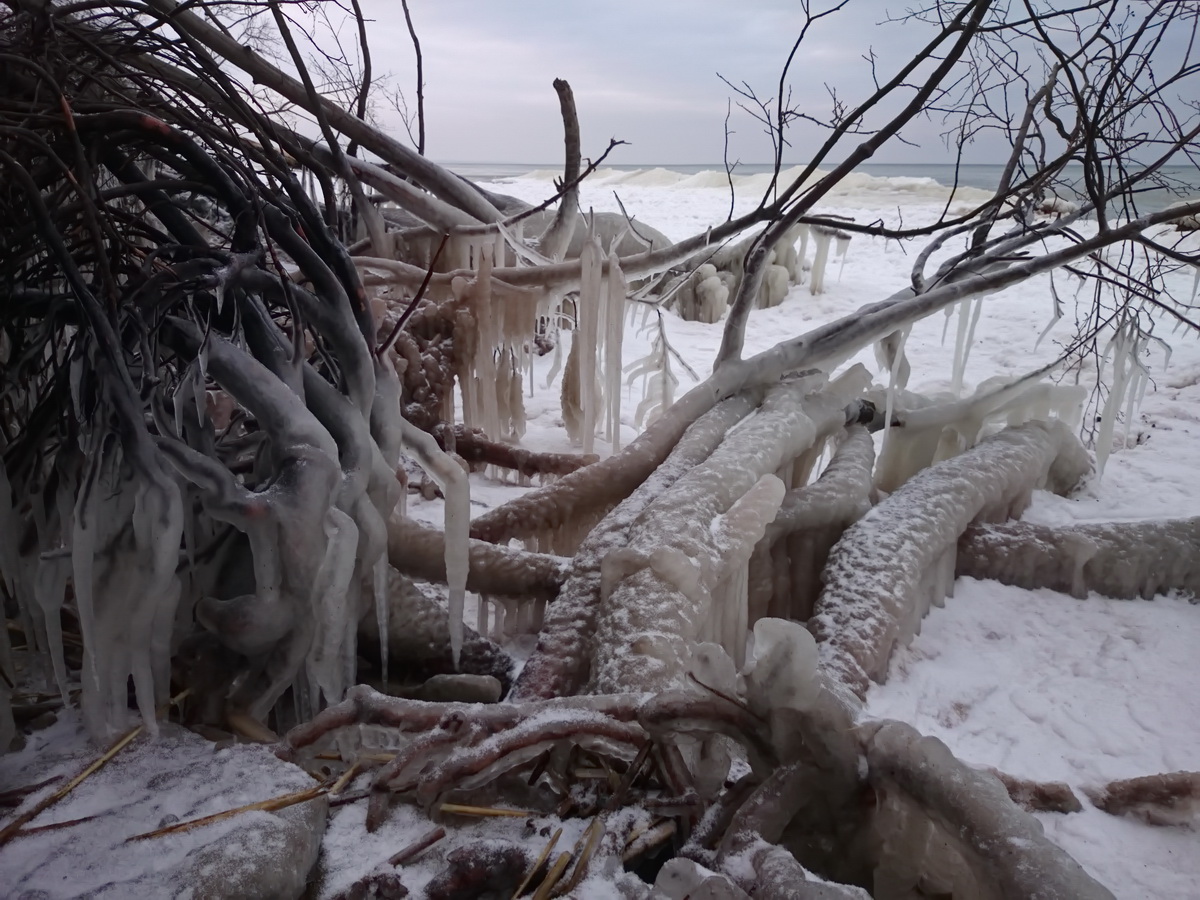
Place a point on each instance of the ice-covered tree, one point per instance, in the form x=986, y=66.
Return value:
x=232, y=311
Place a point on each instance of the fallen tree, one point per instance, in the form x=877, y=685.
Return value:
x=219, y=352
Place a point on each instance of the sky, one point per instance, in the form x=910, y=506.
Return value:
x=643, y=71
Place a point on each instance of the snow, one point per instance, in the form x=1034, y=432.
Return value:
x=1042, y=686
x=1033, y=683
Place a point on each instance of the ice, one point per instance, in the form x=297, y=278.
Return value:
x=891, y=565
x=457, y=521
x=648, y=624
x=1119, y=559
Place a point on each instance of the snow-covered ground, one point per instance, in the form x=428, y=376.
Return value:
x=1034, y=683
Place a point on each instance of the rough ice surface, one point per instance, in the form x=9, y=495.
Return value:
x=647, y=626
x=785, y=570
x=950, y=829
x=1120, y=559
x=900, y=557
x=562, y=662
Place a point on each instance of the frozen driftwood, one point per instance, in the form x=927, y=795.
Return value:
x=899, y=558
x=785, y=570
x=561, y=663
x=1120, y=559
x=949, y=830
x=1170, y=799
x=657, y=595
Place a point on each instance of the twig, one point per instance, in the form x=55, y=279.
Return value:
x=412, y=33
x=555, y=873
x=417, y=847
x=12, y=828
x=538, y=863
x=270, y=805
x=590, y=840
x=459, y=809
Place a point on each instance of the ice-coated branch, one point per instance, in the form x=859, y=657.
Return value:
x=1118, y=559
x=899, y=558
x=928, y=799
x=561, y=663
x=660, y=584
x=419, y=551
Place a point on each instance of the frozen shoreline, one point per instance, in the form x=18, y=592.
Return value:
x=1077, y=690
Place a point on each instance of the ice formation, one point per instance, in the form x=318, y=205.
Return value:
x=925, y=430
x=823, y=236
x=1120, y=559
x=785, y=571
x=899, y=558
x=591, y=391
x=647, y=626
x=561, y=663
x=949, y=830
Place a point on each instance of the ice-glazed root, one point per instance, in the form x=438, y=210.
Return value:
x=1039, y=796
x=560, y=665
x=945, y=829
x=478, y=450
x=926, y=430
x=1170, y=799
x=785, y=570
x=418, y=551
x=899, y=558
x=1119, y=559
x=418, y=639
x=597, y=488
x=650, y=622
x=128, y=523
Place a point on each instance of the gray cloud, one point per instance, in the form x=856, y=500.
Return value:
x=644, y=72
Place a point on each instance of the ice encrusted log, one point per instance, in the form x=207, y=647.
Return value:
x=1117, y=559
x=927, y=430
x=418, y=638
x=785, y=570
x=954, y=831
x=418, y=550
x=560, y=665
x=661, y=582
x=1169, y=799
x=899, y=558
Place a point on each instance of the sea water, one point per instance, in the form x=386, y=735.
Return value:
x=1181, y=182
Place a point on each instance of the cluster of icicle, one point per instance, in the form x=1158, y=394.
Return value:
x=678, y=578
x=703, y=293
x=317, y=537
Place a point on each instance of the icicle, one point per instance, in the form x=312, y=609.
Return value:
x=329, y=603
x=382, y=604
x=50, y=587
x=614, y=321
x=1116, y=395
x=587, y=334
x=821, y=238
x=843, y=241
x=893, y=378
x=450, y=477
x=10, y=535
x=966, y=337
x=83, y=554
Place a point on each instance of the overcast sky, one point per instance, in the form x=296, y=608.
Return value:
x=644, y=71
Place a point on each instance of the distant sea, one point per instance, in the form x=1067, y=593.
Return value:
x=1185, y=179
